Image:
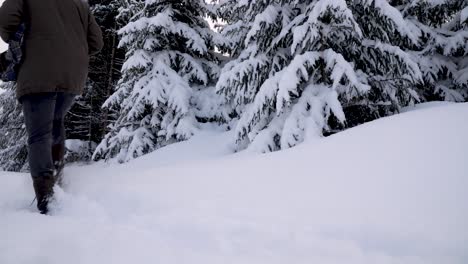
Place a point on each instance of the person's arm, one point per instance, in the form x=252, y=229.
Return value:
x=11, y=16
x=95, y=41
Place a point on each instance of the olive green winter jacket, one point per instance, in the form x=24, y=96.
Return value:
x=60, y=36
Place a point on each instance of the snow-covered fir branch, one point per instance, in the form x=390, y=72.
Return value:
x=169, y=50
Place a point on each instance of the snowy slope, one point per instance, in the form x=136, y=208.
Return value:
x=391, y=191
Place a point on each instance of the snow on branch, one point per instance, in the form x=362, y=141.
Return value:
x=300, y=97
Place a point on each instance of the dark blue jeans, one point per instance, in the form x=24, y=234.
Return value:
x=44, y=115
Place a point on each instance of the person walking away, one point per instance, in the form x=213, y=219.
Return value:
x=60, y=36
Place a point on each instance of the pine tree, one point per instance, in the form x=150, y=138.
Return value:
x=251, y=26
x=13, y=136
x=82, y=125
x=169, y=53
x=299, y=68
x=87, y=121
x=386, y=57
x=443, y=58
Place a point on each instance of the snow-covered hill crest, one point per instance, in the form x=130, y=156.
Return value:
x=391, y=191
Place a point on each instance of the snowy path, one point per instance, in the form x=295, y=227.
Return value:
x=392, y=191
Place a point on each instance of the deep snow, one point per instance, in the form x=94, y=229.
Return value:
x=390, y=191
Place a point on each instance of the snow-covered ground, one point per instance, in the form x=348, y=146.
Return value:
x=391, y=191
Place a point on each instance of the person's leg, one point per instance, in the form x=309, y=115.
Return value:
x=63, y=104
x=38, y=110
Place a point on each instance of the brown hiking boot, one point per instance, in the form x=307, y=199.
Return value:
x=44, y=189
x=58, y=153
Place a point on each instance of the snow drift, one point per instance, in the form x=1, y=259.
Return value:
x=391, y=191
